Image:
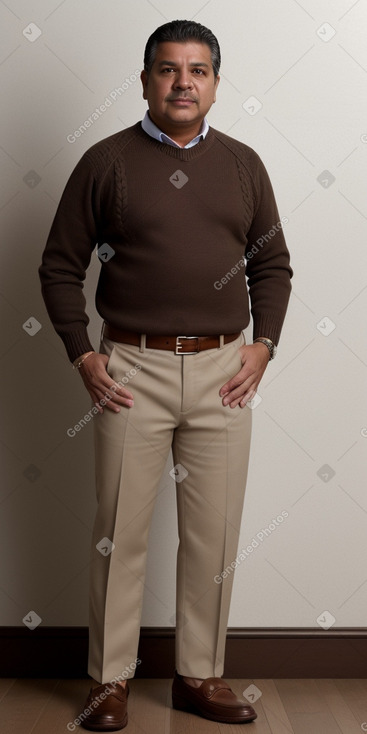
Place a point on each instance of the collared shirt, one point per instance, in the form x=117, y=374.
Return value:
x=154, y=131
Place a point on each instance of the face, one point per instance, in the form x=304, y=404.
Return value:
x=181, y=87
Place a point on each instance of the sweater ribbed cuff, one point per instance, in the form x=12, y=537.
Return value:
x=76, y=343
x=268, y=325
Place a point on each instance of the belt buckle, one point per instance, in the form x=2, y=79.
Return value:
x=179, y=346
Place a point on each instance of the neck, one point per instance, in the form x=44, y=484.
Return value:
x=181, y=134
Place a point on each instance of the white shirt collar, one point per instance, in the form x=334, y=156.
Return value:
x=151, y=129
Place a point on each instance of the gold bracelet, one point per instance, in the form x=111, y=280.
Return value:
x=79, y=364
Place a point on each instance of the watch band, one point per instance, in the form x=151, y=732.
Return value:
x=269, y=344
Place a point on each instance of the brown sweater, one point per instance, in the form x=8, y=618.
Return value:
x=178, y=223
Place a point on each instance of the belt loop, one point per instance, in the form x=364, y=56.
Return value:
x=142, y=342
x=221, y=341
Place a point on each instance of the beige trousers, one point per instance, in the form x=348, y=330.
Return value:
x=176, y=405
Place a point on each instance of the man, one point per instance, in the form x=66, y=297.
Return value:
x=178, y=205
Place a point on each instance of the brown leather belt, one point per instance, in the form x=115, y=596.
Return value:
x=177, y=344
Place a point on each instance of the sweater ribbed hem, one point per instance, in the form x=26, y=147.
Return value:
x=76, y=343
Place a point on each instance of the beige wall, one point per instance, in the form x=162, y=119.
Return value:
x=313, y=414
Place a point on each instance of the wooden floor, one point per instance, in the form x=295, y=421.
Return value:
x=308, y=706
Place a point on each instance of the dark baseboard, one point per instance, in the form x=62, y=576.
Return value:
x=61, y=652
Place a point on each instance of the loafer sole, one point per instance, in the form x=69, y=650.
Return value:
x=183, y=704
x=105, y=727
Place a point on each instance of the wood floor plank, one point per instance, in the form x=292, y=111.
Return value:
x=23, y=703
x=5, y=685
x=354, y=692
x=338, y=706
x=63, y=707
x=274, y=710
x=318, y=723
x=147, y=706
x=305, y=707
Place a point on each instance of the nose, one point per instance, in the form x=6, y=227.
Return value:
x=183, y=80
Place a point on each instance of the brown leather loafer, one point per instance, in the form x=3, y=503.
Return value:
x=105, y=708
x=214, y=700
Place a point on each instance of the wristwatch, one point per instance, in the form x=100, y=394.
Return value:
x=269, y=344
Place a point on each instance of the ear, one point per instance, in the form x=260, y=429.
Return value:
x=216, y=87
x=144, y=81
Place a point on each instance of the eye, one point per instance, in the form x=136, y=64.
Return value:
x=167, y=68
x=199, y=71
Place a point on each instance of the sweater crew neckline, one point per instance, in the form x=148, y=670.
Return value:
x=182, y=154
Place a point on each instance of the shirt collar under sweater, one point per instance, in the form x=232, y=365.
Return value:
x=149, y=127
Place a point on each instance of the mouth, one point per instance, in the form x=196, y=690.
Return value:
x=182, y=101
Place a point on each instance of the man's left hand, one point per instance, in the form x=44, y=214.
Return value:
x=243, y=386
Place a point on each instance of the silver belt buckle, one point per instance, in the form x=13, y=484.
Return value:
x=179, y=346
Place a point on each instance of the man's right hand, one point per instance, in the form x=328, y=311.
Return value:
x=102, y=389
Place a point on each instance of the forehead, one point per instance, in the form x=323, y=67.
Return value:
x=189, y=52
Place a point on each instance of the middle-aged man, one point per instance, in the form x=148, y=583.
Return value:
x=181, y=214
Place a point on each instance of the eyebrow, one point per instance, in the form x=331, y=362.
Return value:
x=173, y=63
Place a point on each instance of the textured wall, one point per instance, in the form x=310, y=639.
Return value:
x=294, y=88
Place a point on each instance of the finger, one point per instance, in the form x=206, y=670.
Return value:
x=114, y=402
x=247, y=397
x=121, y=398
x=111, y=390
x=119, y=390
x=110, y=400
x=241, y=395
x=234, y=403
x=238, y=380
x=100, y=380
x=231, y=385
x=238, y=393
x=242, y=400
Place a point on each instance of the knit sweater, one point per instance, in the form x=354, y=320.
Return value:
x=177, y=232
